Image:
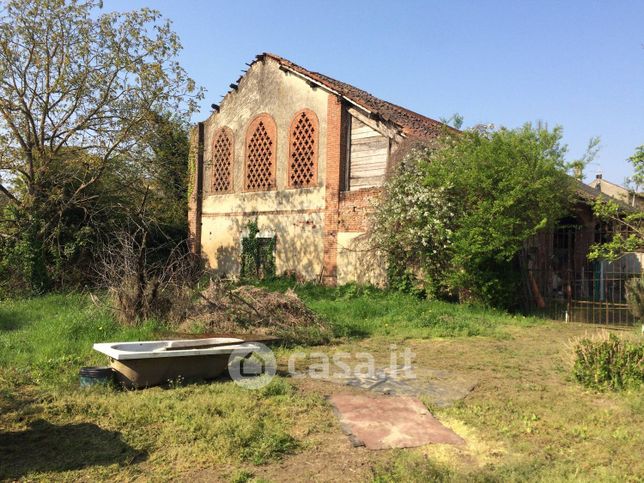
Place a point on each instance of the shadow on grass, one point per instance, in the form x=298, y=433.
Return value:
x=12, y=320
x=46, y=447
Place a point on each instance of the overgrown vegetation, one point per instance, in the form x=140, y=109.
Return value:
x=357, y=312
x=257, y=255
x=49, y=427
x=456, y=215
x=635, y=297
x=93, y=134
x=627, y=230
x=525, y=420
x=636, y=181
x=410, y=467
x=626, y=233
x=45, y=340
x=144, y=282
x=101, y=434
x=605, y=361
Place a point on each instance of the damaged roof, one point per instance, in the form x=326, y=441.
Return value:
x=411, y=123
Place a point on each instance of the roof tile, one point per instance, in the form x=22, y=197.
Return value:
x=412, y=124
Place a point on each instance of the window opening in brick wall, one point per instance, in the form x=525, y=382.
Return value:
x=222, y=162
x=260, y=154
x=303, y=150
x=345, y=162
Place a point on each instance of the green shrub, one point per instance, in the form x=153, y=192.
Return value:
x=608, y=362
x=241, y=476
x=635, y=297
x=456, y=214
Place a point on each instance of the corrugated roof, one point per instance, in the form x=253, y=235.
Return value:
x=411, y=123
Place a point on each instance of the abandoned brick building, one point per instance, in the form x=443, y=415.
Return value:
x=303, y=155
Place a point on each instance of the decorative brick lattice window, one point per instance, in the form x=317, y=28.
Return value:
x=222, y=161
x=303, y=150
x=260, y=154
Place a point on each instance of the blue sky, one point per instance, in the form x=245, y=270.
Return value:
x=579, y=64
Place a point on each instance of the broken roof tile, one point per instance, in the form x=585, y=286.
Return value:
x=412, y=124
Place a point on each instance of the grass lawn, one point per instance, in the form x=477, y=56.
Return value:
x=525, y=420
x=357, y=312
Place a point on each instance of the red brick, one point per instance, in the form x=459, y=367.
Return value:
x=333, y=159
x=355, y=208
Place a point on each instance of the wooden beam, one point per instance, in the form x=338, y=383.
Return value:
x=384, y=129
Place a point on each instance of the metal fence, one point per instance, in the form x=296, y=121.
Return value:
x=596, y=293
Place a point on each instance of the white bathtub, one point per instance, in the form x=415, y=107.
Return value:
x=150, y=363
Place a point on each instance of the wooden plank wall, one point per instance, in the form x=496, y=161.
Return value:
x=369, y=153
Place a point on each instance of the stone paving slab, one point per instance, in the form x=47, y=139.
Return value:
x=384, y=422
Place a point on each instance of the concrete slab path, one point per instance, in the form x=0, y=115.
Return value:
x=383, y=422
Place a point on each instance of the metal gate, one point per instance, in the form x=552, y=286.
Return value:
x=560, y=283
x=596, y=294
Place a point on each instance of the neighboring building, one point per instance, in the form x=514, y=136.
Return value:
x=618, y=192
x=304, y=155
x=559, y=279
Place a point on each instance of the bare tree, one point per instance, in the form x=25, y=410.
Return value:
x=143, y=284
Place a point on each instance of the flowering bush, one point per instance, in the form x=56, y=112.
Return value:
x=455, y=215
x=415, y=228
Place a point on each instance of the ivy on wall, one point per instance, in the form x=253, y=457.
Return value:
x=257, y=255
x=192, y=161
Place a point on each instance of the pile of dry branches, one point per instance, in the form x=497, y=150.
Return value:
x=244, y=310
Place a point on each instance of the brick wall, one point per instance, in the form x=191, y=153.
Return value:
x=345, y=211
x=355, y=208
x=195, y=184
x=334, y=145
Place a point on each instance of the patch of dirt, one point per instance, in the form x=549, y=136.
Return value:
x=442, y=388
x=331, y=458
x=248, y=309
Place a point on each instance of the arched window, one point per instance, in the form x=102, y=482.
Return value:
x=303, y=150
x=261, y=145
x=222, y=161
